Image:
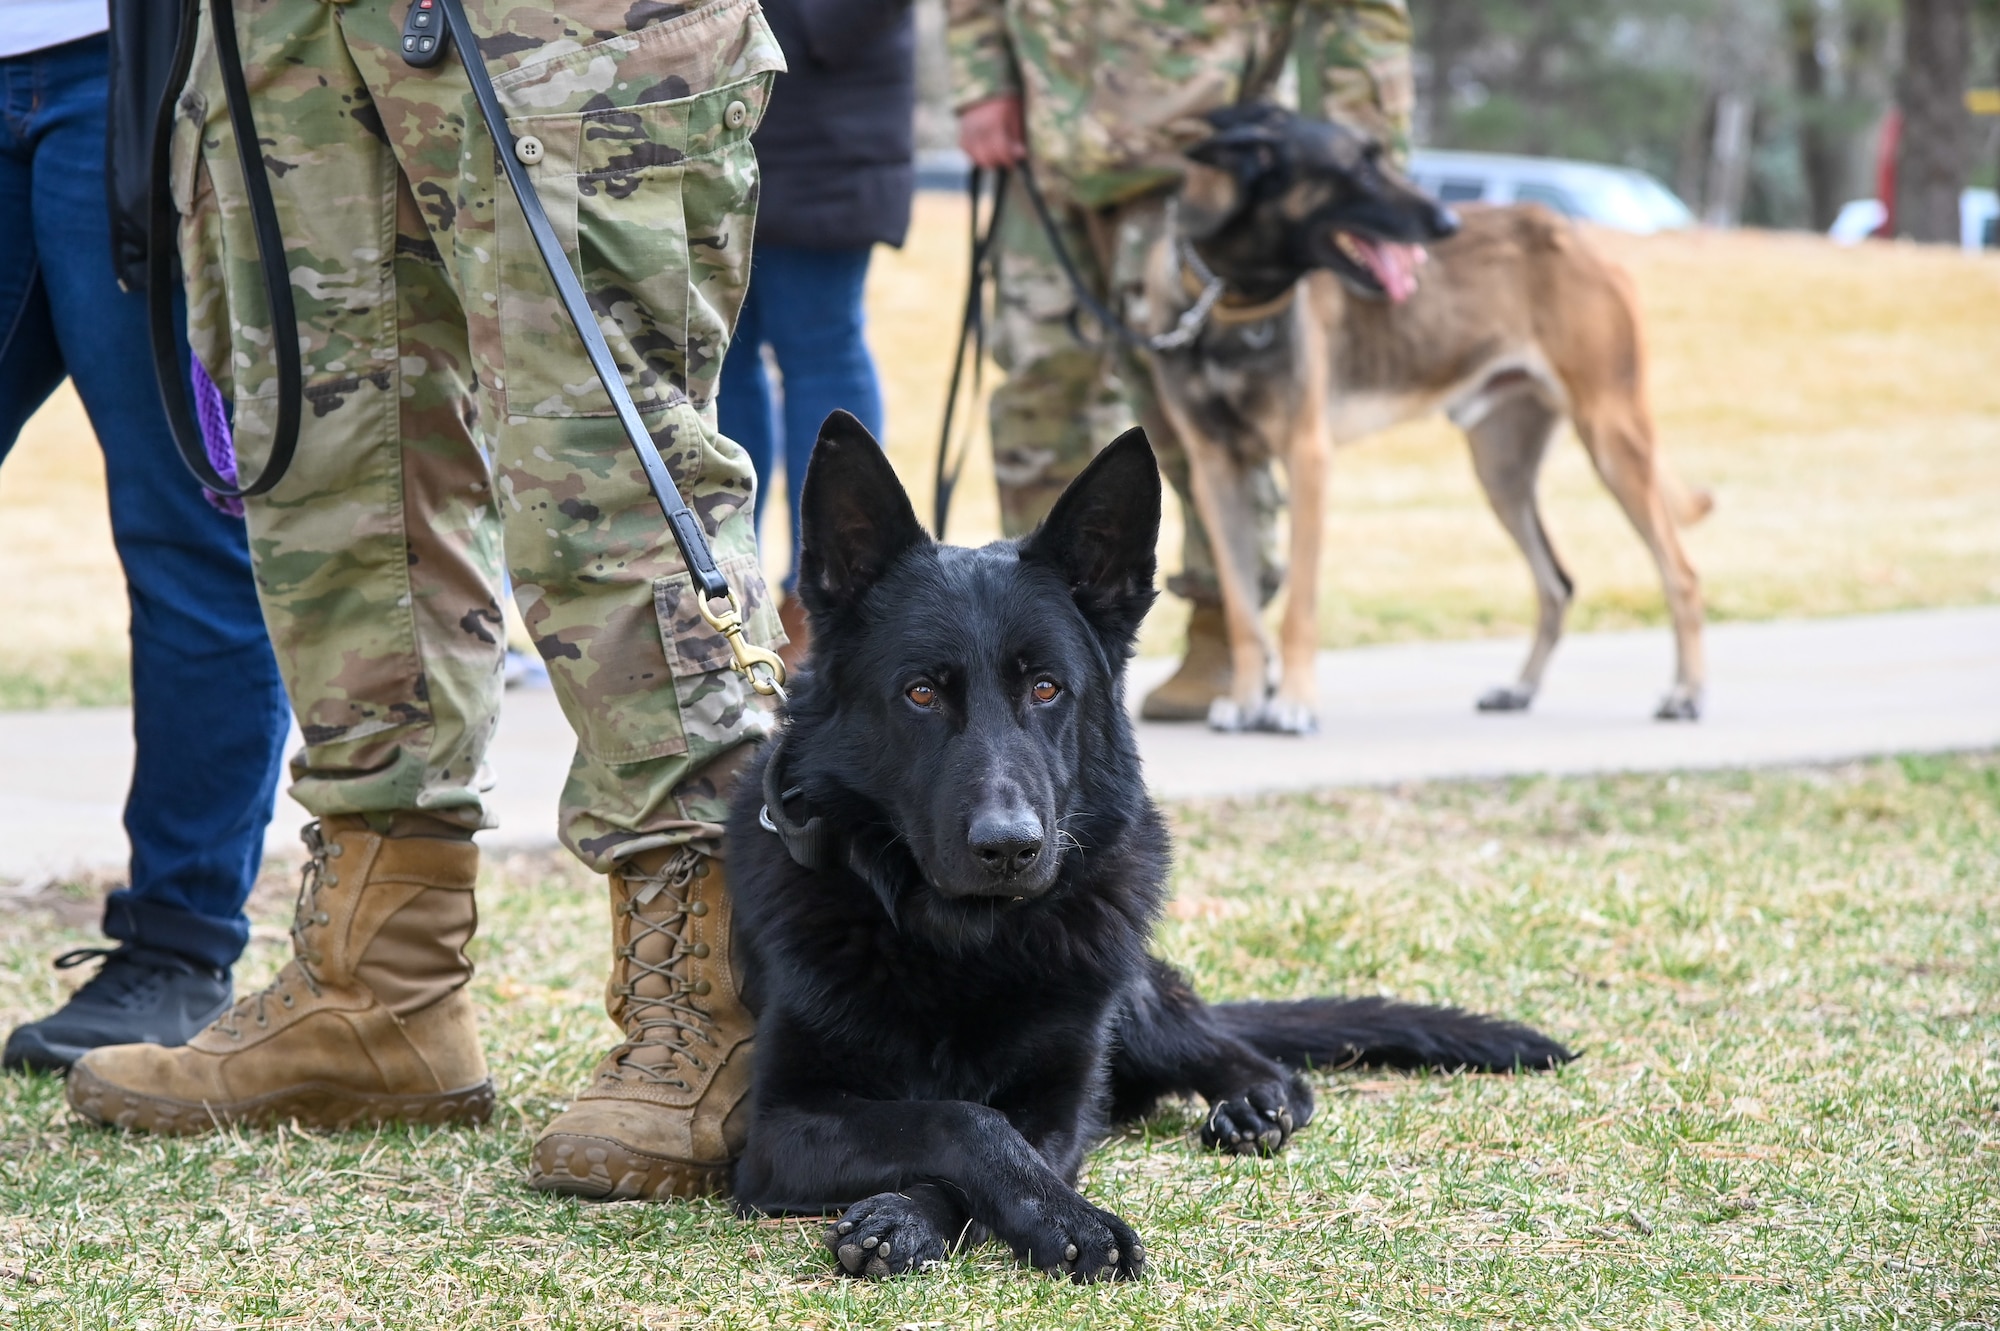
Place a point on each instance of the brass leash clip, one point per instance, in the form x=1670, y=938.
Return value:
x=762, y=667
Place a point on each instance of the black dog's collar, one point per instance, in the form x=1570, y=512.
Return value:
x=810, y=844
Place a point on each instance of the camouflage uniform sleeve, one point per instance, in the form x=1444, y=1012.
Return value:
x=982, y=54
x=1365, y=74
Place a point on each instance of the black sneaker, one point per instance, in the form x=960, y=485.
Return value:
x=141, y=995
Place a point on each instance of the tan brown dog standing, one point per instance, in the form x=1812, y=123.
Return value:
x=1325, y=334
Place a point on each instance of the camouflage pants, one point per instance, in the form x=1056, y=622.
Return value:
x=447, y=397
x=1063, y=400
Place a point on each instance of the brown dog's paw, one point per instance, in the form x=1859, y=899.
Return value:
x=1506, y=698
x=1680, y=705
x=1288, y=716
x=1229, y=716
x=1275, y=716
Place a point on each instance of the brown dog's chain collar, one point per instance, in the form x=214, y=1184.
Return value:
x=1197, y=281
x=1206, y=290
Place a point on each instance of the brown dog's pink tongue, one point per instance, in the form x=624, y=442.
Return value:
x=1394, y=266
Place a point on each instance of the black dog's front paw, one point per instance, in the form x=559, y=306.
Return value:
x=1260, y=1120
x=1085, y=1244
x=885, y=1235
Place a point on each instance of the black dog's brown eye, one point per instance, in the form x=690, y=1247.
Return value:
x=1046, y=690
x=923, y=695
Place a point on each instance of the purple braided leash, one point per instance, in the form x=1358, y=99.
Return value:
x=215, y=436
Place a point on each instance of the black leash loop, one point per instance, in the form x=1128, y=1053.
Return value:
x=762, y=668
x=971, y=333
x=1186, y=328
x=162, y=277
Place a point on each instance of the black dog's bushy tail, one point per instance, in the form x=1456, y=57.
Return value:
x=1378, y=1032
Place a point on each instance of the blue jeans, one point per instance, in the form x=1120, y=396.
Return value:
x=806, y=306
x=209, y=716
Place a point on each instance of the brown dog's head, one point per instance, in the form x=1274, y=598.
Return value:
x=1272, y=195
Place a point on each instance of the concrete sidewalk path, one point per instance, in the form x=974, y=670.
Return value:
x=1792, y=692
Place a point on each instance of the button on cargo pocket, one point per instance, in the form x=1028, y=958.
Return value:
x=712, y=693
x=649, y=180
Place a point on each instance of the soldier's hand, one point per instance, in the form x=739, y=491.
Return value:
x=990, y=132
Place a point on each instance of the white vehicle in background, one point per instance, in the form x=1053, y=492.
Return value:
x=1978, y=220
x=1613, y=196
x=1619, y=197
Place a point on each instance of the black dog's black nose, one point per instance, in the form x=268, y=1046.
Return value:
x=1006, y=841
x=1444, y=222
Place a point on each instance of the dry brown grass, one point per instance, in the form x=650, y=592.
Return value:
x=1842, y=404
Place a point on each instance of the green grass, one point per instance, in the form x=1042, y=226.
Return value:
x=1786, y=986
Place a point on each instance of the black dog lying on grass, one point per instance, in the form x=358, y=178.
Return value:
x=945, y=877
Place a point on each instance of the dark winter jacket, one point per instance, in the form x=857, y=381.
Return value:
x=143, y=34
x=836, y=144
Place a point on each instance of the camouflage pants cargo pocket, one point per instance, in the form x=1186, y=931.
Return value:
x=713, y=695
x=633, y=161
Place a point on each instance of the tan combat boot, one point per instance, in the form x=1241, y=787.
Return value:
x=666, y=1111
x=369, y=1021
x=1204, y=676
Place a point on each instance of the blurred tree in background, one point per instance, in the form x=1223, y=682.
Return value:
x=1763, y=112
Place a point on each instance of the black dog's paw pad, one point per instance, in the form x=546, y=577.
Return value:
x=1258, y=1122
x=885, y=1235
x=1094, y=1245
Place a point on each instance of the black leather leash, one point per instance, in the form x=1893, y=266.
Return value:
x=162, y=279
x=971, y=334
x=1185, y=329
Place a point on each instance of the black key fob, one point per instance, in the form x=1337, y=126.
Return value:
x=424, y=35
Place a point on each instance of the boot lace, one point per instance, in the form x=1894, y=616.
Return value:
x=659, y=906
x=306, y=914
x=131, y=977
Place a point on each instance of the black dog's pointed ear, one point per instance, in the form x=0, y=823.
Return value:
x=854, y=517
x=1101, y=535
